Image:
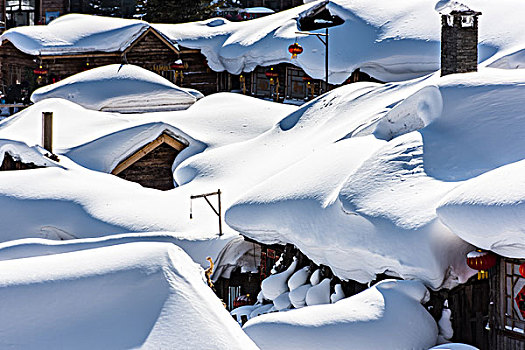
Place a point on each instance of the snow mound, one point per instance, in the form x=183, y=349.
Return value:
x=489, y=211
x=390, y=308
x=119, y=88
x=225, y=250
x=454, y=346
x=75, y=34
x=20, y=151
x=65, y=299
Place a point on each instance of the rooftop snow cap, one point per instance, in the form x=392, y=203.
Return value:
x=459, y=37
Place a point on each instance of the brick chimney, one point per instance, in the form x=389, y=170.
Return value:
x=459, y=41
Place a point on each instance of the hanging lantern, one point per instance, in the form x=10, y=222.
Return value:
x=295, y=49
x=522, y=270
x=481, y=261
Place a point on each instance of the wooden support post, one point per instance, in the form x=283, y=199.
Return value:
x=47, y=131
x=220, y=214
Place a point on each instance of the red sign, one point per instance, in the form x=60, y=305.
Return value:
x=40, y=71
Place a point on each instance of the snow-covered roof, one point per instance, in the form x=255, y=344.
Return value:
x=20, y=151
x=489, y=210
x=77, y=34
x=390, y=40
x=390, y=308
x=135, y=295
x=257, y=10
x=119, y=88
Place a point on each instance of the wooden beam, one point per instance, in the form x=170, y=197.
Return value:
x=142, y=152
x=109, y=54
x=151, y=30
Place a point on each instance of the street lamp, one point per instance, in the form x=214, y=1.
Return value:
x=325, y=42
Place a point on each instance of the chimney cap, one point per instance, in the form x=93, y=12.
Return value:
x=452, y=7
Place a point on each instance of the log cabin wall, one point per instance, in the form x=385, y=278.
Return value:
x=198, y=75
x=14, y=65
x=60, y=6
x=154, y=169
x=151, y=53
x=9, y=163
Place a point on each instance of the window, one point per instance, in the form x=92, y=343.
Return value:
x=513, y=298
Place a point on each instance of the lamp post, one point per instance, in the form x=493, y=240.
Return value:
x=325, y=42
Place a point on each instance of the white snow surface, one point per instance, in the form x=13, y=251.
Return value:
x=368, y=320
x=225, y=250
x=489, y=210
x=353, y=178
x=20, y=151
x=81, y=200
x=119, y=297
x=375, y=162
x=76, y=34
x=390, y=40
x=119, y=88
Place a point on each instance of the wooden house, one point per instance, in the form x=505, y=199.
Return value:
x=151, y=165
x=11, y=163
x=141, y=45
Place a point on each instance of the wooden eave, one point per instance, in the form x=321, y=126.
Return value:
x=158, y=35
x=81, y=55
x=163, y=138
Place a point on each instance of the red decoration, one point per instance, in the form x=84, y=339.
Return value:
x=177, y=65
x=481, y=260
x=522, y=270
x=295, y=49
x=242, y=300
x=40, y=71
x=271, y=74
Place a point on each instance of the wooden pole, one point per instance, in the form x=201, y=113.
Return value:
x=47, y=131
x=326, y=61
x=220, y=214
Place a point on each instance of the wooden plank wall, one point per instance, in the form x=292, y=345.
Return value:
x=198, y=75
x=150, y=51
x=469, y=304
x=154, y=169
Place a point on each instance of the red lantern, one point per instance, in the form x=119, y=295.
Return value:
x=522, y=270
x=481, y=261
x=295, y=49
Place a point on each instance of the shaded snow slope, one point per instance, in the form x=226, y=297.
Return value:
x=391, y=41
x=225, y=250
x=119, y=88
x=119, y=297
x=489, y=210
x=365, y=205
x=388, y=315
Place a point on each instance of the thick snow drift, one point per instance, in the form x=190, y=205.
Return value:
x=387, y=316
x=364, y=205
x=226, y=251
x=489, y=211
x=390, y=40
x=75, y=34
x=148, y=295
x=119, y=88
